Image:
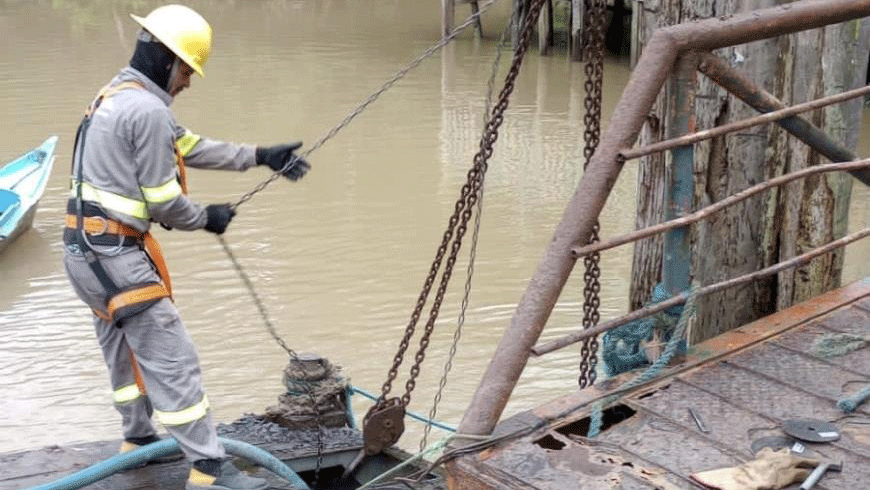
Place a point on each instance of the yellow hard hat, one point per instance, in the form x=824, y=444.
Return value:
x=183, y=31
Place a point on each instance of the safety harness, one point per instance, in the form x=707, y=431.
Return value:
x=88, y=225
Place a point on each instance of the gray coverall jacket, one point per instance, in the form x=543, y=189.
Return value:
x=130, y=174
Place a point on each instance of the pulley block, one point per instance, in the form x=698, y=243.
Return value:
x=383, y=425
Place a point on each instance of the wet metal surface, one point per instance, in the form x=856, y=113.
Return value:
x=744, y=386
x=296, y=448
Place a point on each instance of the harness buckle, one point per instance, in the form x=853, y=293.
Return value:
x=105, y=226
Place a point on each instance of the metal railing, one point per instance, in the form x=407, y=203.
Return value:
x=673, y=53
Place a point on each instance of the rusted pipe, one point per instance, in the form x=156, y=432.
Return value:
x=730, y=30
x=735, y=82
x=744, y=123
x=582, y=211
x=677, y=256
x=718, y=206
x=681, y=297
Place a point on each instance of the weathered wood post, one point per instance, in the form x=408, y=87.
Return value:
x=770, y=228
x=578, y=8
x=520, y=9
x=448, y=16
x=478, y=24
x=637, y=27
x=545, y=28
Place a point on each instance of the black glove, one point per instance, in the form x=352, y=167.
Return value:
x=278, y=156
x=218, y=216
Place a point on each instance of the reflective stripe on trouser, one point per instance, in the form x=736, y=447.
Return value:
x=163, y=350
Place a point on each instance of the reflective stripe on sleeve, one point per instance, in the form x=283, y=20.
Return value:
x=187, y=142
x=184, y=416
x=126, y=394
x=162, y=193
x=112, y=201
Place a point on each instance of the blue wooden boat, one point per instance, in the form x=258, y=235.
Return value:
x=22, y=182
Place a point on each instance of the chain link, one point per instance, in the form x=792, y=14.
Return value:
x=593, y=48
x=457, y=334
x=289, y=165
x=296, y=362
x=458, y=221
x=371, y=99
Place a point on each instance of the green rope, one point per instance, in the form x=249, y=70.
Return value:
x=833, y=345
x=597, y=416
x=851, y=403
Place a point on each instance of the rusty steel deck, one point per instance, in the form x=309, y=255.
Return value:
x=742, y=386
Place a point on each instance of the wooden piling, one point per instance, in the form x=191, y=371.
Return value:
x=448, y=14
x=578, y=8
x=545, y=28
x=478, y=24
x=637, y=30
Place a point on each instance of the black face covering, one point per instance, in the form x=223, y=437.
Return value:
x=153, y=59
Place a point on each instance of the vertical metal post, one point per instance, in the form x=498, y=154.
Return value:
x=677, y=257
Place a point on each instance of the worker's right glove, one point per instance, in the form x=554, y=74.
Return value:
x=769, y=470
x=218, y=217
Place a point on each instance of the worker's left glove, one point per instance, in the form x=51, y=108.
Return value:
x=279, y=158
x=218, y=217
x=769, y=470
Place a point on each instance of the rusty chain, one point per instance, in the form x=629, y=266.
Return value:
x=457, y=334
x=264, y=313
x=593, y=47
x=458, y=222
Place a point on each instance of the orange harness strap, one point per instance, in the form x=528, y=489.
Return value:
x=107, y=92
x=137, y=373
x=148, y=292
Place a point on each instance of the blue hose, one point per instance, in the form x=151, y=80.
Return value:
x=166, y=447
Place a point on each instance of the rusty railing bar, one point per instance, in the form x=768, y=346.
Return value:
x=702, y=213
x=756, y=97
x=682, y=297
x=744, y=123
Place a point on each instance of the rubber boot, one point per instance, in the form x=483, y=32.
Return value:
x=214, y=474
x=133, y=443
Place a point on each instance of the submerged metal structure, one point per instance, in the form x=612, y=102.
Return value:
x=673, y=55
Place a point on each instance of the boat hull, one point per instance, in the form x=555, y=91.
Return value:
x=24, y=224
x=22, y=184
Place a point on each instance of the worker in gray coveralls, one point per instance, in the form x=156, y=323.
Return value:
x=128, y=172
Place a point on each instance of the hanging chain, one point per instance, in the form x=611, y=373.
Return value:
x=261, y=307
x=296, y=362
x=457, y=334
x=458, y=222
x=594, y=30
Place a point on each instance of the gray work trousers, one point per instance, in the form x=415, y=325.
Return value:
x=163, y=350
